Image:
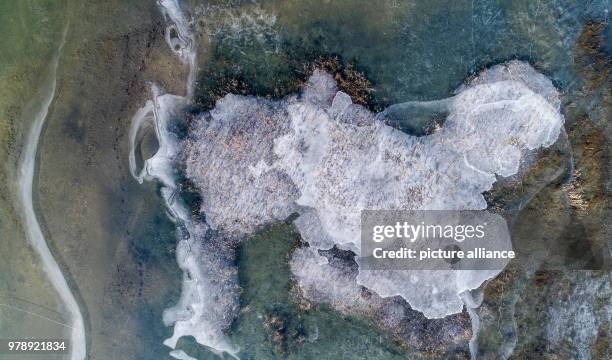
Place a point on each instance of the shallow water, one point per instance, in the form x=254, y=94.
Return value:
x=274, y=325
x=111, y=236
x=416, y=51
x=409, y=50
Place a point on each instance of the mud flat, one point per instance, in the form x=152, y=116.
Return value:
x=29, y=303
x=34, y=233
x=110, y=235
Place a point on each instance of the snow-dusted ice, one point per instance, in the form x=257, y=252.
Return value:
x=256, y=161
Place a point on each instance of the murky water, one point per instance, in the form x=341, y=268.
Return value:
x=424, y=51
x=409, y=50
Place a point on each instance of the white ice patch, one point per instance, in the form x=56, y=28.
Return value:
x=180, y=39
x=329, y=159
x=200, y=312
x=579, y=314
x=209, y=295
x=181, y=355
x=322, y=282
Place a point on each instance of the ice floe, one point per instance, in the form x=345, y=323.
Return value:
x=208, y=297
x=256, y=161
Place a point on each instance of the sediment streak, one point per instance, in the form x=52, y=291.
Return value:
x=34, y=233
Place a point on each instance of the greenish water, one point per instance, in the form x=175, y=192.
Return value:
x=412, y=50
x=423, y=50
x=272, y=325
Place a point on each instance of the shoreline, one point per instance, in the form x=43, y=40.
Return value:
x=27, y=166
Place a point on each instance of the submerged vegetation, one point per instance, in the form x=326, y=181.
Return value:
x=274, y=324
x=279, y=75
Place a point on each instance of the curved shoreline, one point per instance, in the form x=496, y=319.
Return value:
x=24, y=181
x=197, y=298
